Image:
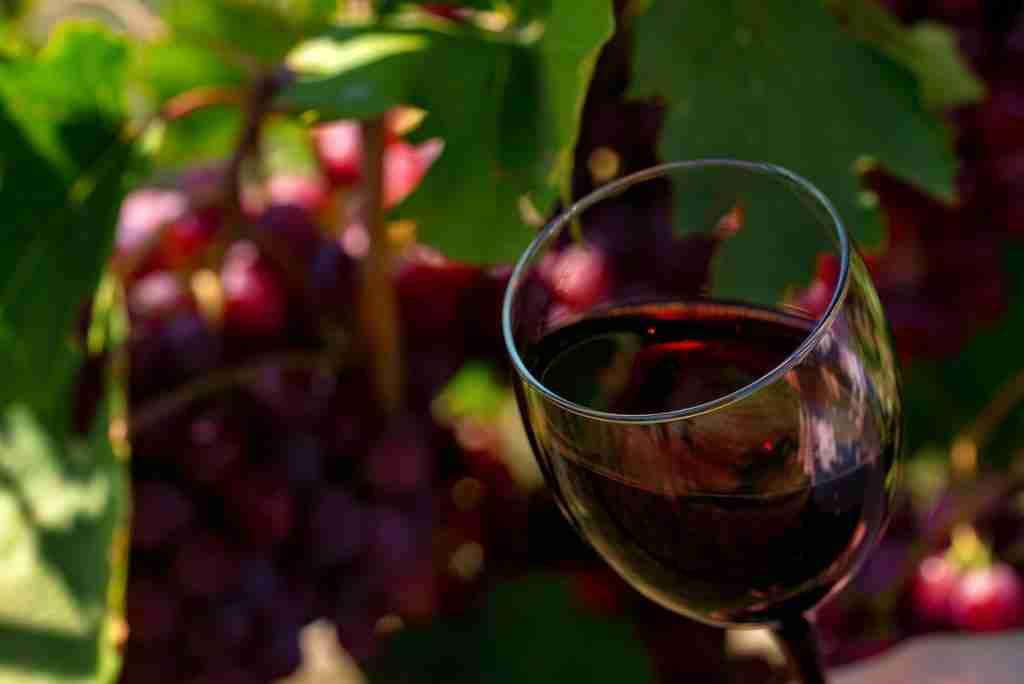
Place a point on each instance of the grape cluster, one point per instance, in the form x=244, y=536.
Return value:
x=269, y=488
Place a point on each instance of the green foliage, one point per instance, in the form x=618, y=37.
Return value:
x=783, y=82
x=528, y=631
x=474, y=391
x=63, y=162
x=507, y=108
x=61, y=504
x=928, y=49
x=263, y=30
x=63, y=165
x=521, y=11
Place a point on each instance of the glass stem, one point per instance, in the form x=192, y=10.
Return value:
x=796, y=636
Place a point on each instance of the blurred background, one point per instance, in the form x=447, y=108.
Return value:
x=319, y=494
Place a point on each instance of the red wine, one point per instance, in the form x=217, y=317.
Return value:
x=742, y=515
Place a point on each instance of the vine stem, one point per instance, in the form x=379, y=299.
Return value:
x=378, y=305
x=152, y=413
x=191, y=101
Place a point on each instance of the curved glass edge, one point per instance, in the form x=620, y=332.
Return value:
x=554, y=228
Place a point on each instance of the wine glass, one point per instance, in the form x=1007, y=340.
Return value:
x=707, y=381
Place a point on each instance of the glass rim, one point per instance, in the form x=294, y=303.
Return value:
x=822, y=324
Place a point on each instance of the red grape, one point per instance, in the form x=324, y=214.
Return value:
x=255, y=302
x=340, y=147
x=404, y=168
x=432, y=295
x=933, y=584
x=158, y=295
x=262, y=507
x=188, y=236
x=580, y=276
x=305, y=192
x=445, y=11
x=143, y=214
x=988, y=599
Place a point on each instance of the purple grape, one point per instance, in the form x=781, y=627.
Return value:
x=190, y=344
x=332, y=278
x=337, y=530
x=144, y=664
x=225, y=675
x=395, y=542
x=401, y=462
x=151, y=610
x=883, y=568
x=259, y=580
x=215, y=445
x=280, y=654
x=291, y=228
x=294, y=396
x=302, y=455
x=161, y=512
x=226, y=628
x=205, y=565
x=356, y=635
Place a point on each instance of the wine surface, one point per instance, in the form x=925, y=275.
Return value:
x=740, y=516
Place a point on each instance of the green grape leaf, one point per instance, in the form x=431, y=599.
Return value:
x=929, y=49
x=63, y=159
x=391, y=6
x=528, y=631
x=175, y=75
x=170, y=67
x=782, y=82
x=264, y=30
x=522, y=11
x=357, y=73
x=63, y=164
x=506, y=107
x=62, y=504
